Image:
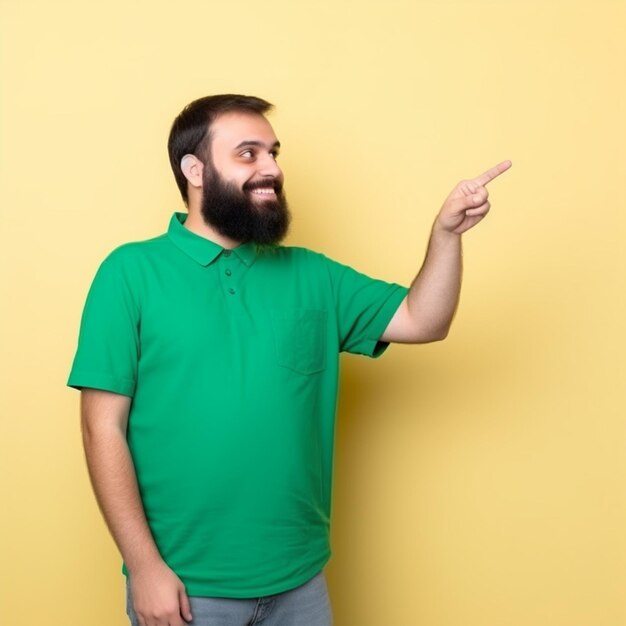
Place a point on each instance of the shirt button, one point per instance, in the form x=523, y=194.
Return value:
x=228, y=272
x=231, y=291
x=226, y=252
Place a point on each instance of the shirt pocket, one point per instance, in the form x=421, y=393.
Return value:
x=300, y=339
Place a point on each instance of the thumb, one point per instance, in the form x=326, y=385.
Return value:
x=459, y=205
x=185, y=607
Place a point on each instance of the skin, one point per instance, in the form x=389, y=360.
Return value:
x=426, y=313
x=159, y=595
x=244, y=148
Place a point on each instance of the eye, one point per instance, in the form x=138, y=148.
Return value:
x=274, y=154
x=247, y=154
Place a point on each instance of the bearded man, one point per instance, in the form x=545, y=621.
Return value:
x=208, y=362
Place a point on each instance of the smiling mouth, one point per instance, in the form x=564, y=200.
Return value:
x=263, y=191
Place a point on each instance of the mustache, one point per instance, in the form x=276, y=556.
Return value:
x=275, y=184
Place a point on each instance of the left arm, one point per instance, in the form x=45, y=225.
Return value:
x=427, y=311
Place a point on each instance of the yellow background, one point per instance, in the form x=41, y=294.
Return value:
x=480, y=481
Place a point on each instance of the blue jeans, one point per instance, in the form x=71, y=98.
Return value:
x=307, y=605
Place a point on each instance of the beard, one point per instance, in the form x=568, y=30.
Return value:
x=235, y=213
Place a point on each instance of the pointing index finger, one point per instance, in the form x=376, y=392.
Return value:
x=491, y=173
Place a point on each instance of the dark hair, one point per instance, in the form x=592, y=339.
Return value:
x=190, y=133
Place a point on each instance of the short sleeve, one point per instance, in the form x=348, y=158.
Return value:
x=364, y=308
x=108, y=343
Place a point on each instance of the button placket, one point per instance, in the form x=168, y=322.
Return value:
x=227, y=273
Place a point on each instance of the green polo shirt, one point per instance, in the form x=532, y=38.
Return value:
x=231, y=360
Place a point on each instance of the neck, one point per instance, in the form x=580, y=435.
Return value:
x=196, y=224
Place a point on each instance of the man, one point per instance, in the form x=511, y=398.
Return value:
x=208, y=364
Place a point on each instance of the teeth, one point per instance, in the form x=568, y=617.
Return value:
x=263, y=191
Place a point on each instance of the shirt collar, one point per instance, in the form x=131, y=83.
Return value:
x=201, y=249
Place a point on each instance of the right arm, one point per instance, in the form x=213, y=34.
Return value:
x=159, y=595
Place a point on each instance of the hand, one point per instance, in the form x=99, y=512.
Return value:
x=468, y=203
x=159, y=597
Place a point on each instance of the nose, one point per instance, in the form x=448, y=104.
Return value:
x=269, y=167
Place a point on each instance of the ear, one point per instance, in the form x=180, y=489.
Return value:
x=192, y=168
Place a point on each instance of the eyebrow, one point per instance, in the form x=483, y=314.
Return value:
x=258, y=144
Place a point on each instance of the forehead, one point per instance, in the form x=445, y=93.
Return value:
x=231, y=129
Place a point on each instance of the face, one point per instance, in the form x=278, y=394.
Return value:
x=242, y=194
